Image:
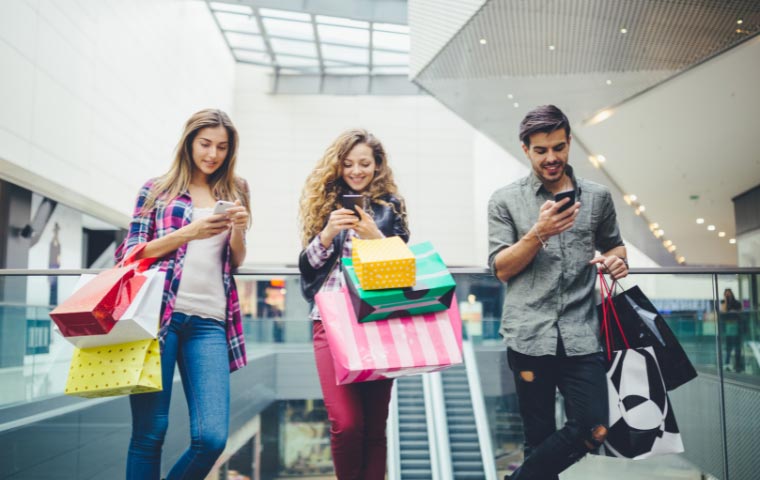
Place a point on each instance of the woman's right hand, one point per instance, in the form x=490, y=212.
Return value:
x=207, y=227
x=341, y=219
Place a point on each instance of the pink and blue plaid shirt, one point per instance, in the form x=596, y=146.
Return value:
x=162, y=220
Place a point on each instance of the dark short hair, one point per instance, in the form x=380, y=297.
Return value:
x=543, y=119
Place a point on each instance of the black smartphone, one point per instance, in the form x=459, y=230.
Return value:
x=352, y=201
x=566, y=194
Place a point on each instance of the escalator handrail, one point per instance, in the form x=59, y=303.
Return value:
x=479, y=411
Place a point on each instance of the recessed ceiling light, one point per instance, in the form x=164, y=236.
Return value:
x=659, y=233
x=739, y=22
x=681, y=259
x=600, y=117
x=667, y=243
x=552, y=47
x=510, y=96
x=654, y=226
x=515, y=104
x=483, y=41
x=601, y=158
x=672, y=248
x=642, y=208
x=594, y=161
x=637, y=211
x=633, y=197
x=711, y=227
x=624, y=30
x=609, y=82
x=732, y=241
x=721, y=234
x=700, y=221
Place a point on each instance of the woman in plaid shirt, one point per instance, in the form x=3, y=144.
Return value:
x=355, y=163
x=201, y=328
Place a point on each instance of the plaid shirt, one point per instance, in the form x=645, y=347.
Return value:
x=162, y=220
x=318, y=255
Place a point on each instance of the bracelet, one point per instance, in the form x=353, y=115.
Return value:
x=538, y=235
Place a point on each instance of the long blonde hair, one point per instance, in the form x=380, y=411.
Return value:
x=223, y=182
x=325, y=184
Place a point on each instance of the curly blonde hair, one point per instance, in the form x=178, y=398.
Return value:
x=325, y=184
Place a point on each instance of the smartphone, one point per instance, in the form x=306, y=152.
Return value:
x=222, y=206
x=352, y=201
x=566, y=194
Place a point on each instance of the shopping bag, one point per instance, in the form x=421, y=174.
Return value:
x=139, y=322
x=641, y=419
x=388, y=348
x=644, y=327
x=112, y=370
x=383, y=263
x=432, y=292
x=94, y=308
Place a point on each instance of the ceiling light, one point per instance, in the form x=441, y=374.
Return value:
x=711, y=227
x=552, y=47
x=667, y=243
x=601, y=158
x=659, y=233
x=627, y=199
x=516, y=104
x=654, y=226
x=633, y=197
x=600, y=117
x=682, y=260
x=739, y=22
x=672, y=248
x=483, y=41
x=732, y=241
x=609, y=82
x=637, y=211
x=700, y=221
x=642, y=208
x=510, y=96
x=594, y=161
x=721, y=234
x=624, y=30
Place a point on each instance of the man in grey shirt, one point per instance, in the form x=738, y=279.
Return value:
x=545, y=251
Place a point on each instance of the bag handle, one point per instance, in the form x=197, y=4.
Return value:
x=141, y=264
x=609, y=306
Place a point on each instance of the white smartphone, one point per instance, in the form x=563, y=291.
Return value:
x=222, y=206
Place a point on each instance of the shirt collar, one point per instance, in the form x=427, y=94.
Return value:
x=536, y=184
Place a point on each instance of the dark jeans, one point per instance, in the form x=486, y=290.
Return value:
x=583, y=383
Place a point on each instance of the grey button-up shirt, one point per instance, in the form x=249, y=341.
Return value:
x=555, y=292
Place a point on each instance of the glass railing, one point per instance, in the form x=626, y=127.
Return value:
x=723, y=344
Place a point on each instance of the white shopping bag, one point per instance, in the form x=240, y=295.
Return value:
x=139, y=322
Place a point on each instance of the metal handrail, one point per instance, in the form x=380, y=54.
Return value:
x=283, y=270
x=393, y=437
x=479, y=410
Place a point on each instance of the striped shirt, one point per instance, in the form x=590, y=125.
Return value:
x=163, y=219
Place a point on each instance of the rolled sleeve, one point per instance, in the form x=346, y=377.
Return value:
x=501, y=229
x=317, y=254
x=608, y=233
x=142, y=227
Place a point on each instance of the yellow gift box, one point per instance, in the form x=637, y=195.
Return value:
x=112, y=370
x=383, y=263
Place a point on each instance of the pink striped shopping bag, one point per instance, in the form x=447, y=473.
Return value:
x=392, y=348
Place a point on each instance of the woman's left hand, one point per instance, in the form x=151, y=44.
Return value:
x=238, y=217
x=366, y=227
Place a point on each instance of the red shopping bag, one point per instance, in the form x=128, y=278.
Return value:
x=94, y=308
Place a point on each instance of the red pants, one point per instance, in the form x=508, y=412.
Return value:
x=358, y=413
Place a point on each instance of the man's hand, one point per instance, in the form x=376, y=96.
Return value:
x=612, y=265
x=553, y=222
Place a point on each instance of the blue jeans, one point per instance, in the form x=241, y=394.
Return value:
x=199, y=347
x=582, y=381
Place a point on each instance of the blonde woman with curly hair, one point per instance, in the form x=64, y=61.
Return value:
x=355, y=164
x=201, y=330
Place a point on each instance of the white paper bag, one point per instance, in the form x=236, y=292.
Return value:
x=139, y=322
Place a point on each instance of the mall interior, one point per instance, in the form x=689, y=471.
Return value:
x=660, y=95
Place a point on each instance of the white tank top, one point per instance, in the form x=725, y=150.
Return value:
x=201, y=289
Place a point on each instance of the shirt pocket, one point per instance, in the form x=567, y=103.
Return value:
x=582, y=235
